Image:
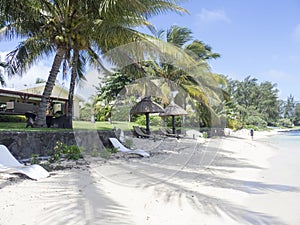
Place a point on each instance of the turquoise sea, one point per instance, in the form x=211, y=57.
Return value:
x=279, y=182
x=286, y=161
x=289, y=139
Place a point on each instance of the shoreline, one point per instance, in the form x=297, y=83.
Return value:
x=185, y=182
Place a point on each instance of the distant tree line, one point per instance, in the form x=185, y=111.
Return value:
x=246, y=103
x=251, y=104
x=257, y=104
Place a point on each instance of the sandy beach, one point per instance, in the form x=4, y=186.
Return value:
x=226, y=180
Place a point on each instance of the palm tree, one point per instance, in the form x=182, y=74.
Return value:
x=71, y=28
x=177, y=73
x=3, y=65
x=198, y=83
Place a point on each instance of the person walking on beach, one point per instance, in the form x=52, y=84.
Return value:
x=251, y=133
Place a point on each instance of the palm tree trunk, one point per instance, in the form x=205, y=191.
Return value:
x=72, y=88
x=41, y=114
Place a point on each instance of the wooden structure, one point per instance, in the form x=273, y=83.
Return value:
x=58, y=92
x=146, y=106
x=18, y=103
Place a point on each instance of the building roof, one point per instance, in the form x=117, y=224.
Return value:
x=60, y=86
x=24, y=95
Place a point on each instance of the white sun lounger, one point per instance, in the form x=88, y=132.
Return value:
x=9, y=164
x=115, y=142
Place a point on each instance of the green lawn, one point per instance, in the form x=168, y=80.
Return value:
x=20, y=126
x=78, y=125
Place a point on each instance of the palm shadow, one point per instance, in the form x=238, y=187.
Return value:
x=77, y=199
x=153, y=175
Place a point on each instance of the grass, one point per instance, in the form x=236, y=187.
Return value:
x=82, y=125
x=86, y=125
x=20, y=126
x=77, y=125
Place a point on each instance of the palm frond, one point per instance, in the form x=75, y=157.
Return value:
x=27, y=53
x=179, y=35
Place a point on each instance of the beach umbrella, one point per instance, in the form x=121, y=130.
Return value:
x=146, y=106
x=173, y=110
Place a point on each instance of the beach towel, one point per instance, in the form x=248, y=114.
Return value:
x=9, y=164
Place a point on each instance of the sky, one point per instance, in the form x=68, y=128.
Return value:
x=257, y=38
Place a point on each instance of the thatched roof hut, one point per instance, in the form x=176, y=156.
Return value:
x=146, y=106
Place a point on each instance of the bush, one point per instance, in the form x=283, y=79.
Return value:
x=235, y=124
x=120, y=112
x=248, y=127
x=205, y=134
x=35, y=159
x=154, y=120
x=178, y=120
x=107, y=152
x=62, y=150
x=256, y=121
x=285, y=122
x=12, y=118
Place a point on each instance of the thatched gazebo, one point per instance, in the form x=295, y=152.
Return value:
x=173, y=110
x=146, y=106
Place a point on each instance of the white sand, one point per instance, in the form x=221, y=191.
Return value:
x=185, y=182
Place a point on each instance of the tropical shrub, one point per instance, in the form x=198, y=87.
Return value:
x=62, y=150
x=256, y=121
x=255, y=128
x=285, y=122
x=35, y=159
x=107, y=152
x=234, y=124
x=178, y=120
x=154, y=120
x=120, y=112
x=12, y=118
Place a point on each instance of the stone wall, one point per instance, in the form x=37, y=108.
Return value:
x=23, y=144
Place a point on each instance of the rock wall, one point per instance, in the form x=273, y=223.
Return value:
x=23, y=144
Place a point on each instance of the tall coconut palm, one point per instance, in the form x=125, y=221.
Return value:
x=176, y=74
x=3, y=65
x=57, y=26
x=200, y=84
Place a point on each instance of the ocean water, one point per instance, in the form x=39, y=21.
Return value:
x=279, y=182
x=292, y=133
x=287, y=140
x=286, y=161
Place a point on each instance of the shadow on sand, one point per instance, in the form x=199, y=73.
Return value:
x=167, y=179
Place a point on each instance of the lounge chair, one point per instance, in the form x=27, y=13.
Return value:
x=167, y=133
x=118, y=145
x=140, y=134
x=9, y=164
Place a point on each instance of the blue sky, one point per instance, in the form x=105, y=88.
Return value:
x=260, y=38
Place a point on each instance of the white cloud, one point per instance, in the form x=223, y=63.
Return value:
x=40, y=70
x=87, y=88
x=212, y=16
x=29, y=78
x=296, y=33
